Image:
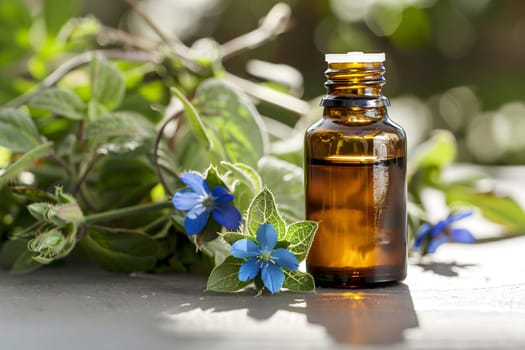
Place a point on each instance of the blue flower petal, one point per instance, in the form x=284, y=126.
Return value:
x=462, y=235
x=440, y=227
x=459, y=216
x=185, y=199
x=273, y=277
x=196, y=219
x=436, y=242
x=285, y=258
x=249, y=269
x=221, y=195
x=267, y=237
x=196, y=182
x=245, y=248
x=423, y=231
x=227, y=215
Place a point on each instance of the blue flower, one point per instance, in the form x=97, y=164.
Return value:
x=442, y=233
x=263, y=258
x=199, y=201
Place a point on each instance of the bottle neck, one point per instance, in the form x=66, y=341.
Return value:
x=355, y=84
x=355, y=115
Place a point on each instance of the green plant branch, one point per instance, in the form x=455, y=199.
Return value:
x=78, y=61
x=86, y=172
x=269, y=95
x=111, y=36
x=87, y=200
x=176, y=46
x=274, y=23
x=55, y=158
x=158, y=221
x=125, y=212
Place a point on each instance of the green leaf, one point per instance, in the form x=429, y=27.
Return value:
x=62, y=102
x=57, y=13
x=286, y=181
x=298, y=281
x=107, y=83
x=439, y=151
x=189, y=154
x=502, y=210
x=264, y=210
x=301, y=235
x=121, y=251
x=24, y=163
x=119, y=189
x=33, y=194
x=193, y=118
x=95, y=110
x=244, y=181
x=17, y=131
x=120, y=124
x=233, y=122
x=225, y=277
x=15, y=256
x=213, y=179
x=232, y=237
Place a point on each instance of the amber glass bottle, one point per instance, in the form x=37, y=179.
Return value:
x=355, y=179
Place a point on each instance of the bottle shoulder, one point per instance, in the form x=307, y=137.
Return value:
x=382, y=126
x=378, y=140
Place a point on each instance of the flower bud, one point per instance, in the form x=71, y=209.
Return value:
x=69, y=213
x=39, y=210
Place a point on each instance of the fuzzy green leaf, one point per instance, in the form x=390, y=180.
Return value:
x=225, y=277
x=298, y=281
x=286, y=181
x=301, y=235
x=264, y=210
x=18, y=132
x=61, y=102
x=15, y=256
x=232, y=120
x=502, y=210
x=232, y=237
x=189, y=154
x=193, y=118
x=107, y=83
x=24, y=163
x=245, y=182
x=120, y=124
x=121, y=252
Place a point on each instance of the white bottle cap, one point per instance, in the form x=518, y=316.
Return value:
x=355, y=56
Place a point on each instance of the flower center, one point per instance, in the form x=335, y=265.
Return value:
x=266, y=256
x=208, y=201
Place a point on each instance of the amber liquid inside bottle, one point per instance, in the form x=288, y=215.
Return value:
x=355, y=178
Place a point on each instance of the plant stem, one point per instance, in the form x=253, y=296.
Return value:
x=156, y=152
x=177, y=47
x=276, y=22
x=128, y=211
x=89, y=166
x=269, y=95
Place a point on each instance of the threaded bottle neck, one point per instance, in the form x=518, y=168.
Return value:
x=355, y=84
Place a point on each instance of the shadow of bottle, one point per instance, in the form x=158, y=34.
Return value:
x=365, y=316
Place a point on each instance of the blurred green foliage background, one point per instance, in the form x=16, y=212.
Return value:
x=451, y=64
